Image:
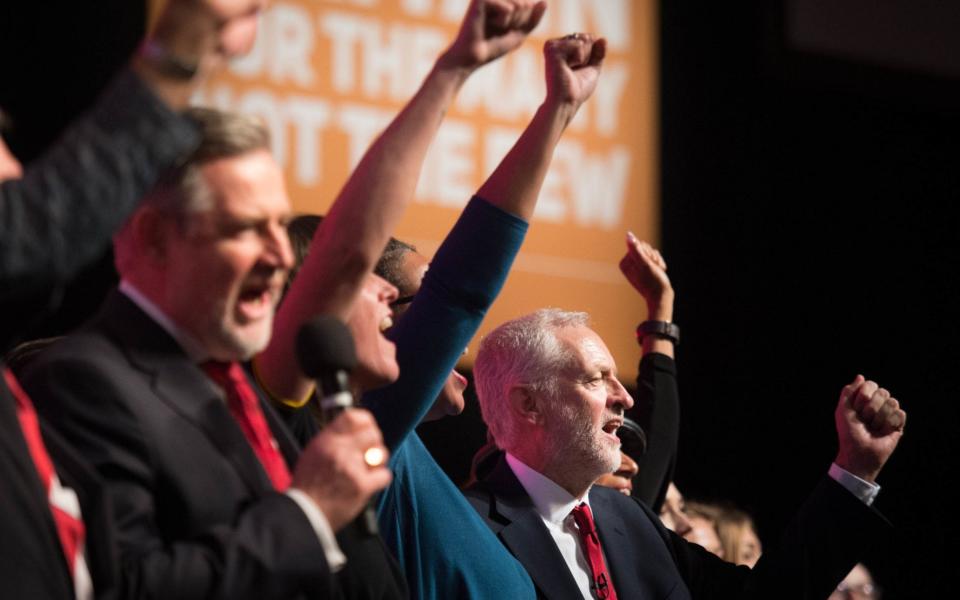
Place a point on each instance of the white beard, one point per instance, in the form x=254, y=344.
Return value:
x=576, y=447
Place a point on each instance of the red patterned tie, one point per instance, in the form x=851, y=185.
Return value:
x=244, y=405
x=70, y=529
x=602, y=584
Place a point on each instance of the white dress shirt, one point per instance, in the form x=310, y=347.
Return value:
x=66, y=500
x=554, y=505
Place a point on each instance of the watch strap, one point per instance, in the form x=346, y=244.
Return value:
x=661, y=329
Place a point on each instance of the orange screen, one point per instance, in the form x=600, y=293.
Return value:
x=328, y=75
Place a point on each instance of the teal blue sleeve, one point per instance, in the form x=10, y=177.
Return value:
x=464, y=278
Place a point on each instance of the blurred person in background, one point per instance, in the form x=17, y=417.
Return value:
x=703, y=527
x=673, y=512
x=738, y=536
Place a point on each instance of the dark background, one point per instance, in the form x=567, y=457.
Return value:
x=808, y=185
x=55, y=57
x=808, y=175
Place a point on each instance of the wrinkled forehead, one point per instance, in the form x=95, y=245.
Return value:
x=583, y=348
x=245, y=187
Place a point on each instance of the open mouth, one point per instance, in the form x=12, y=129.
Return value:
x=256, y=301
x=386, y=323
x=610, y=428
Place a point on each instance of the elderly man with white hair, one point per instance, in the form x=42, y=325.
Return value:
x=550, y=396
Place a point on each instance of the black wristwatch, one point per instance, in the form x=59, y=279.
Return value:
x=660, y=329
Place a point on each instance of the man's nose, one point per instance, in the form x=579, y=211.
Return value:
x=278, y=248
x=389, y=292
x=681, y=524
x=620, y=395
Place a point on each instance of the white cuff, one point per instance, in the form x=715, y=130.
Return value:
x=335, y=556
x=865, y=491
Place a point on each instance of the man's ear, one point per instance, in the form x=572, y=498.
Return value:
x=526, y=404
x=151, y=231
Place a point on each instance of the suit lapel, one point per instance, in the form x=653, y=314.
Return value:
x=182, y=385
x=525, y=535
x=618, y=550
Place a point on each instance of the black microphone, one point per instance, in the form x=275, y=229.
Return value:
x=327, y=354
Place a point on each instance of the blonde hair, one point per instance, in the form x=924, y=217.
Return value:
x=731, y=527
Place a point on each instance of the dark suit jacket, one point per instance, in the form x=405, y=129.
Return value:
x=648, y=562
x=196, y=516
x=371, y=573
x=32, y=564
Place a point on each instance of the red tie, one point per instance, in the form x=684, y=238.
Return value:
x=245, y=408
x=602, y=584
x=70, y=529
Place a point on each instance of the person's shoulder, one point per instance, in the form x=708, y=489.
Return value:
x=615, y=496
x=626, y=505
x=83, y=370
x=640, y=525
x=86, y=346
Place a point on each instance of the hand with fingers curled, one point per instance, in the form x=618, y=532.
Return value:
x=646, y=270
x=204, y=33
x=336, y=469
x=492, y=28
x=870, y=424
x=573, y=67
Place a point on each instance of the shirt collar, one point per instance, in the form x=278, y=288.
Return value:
x=187, y=342
x=552, y=501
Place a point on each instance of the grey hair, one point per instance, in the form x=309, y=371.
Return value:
x=524, y=351
x=182, y=189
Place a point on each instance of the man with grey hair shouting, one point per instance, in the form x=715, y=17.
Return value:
x=211, y=495
x=56, y=217
x=549, y=393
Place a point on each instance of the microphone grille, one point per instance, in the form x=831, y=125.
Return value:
x=324, y=345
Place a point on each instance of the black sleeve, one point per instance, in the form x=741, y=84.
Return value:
x=59, y=216
x=830, y=533
x=657, y=410
x=371, y=572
